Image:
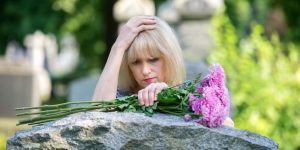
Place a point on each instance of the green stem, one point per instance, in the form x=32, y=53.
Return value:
x=42, y=121
x=172, y=113
x=43, y=112
x=54, y=115
x=59, y=114
x=64, y=104
x=62, y=110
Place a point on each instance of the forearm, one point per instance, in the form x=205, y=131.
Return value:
x=106, y=87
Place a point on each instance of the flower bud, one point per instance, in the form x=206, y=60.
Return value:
x=187, y=117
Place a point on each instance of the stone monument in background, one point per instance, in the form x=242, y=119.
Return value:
x=125, y=9
x=25, y=73
x=191, y=20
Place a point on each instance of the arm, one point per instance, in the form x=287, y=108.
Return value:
x=107, y=84
x=106, y=87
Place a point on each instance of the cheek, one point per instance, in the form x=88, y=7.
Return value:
x=160, y=70
x=134, y=71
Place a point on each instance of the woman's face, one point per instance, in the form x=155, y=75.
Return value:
x=147, y=69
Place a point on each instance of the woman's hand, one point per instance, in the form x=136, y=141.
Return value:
x=228, y=122
x=148, y=95
x=132, y=28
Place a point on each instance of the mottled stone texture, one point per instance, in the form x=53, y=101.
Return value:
x=99, y=130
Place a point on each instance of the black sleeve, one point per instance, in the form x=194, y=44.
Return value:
x=121, y=93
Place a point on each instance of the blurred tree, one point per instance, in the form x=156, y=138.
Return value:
x=21, y=17
x=242, y=13
x=291, y=10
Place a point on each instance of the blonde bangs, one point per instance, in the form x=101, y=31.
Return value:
x=144, y=44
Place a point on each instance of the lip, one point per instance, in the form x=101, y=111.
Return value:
x=149, y=80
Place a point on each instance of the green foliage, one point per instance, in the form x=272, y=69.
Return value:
x=3, y=139
x=264, y=81
x=22, y=17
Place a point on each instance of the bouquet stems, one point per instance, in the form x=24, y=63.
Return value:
x=171, y=101
x=57, y=111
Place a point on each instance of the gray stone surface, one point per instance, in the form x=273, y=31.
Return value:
x=98, y=130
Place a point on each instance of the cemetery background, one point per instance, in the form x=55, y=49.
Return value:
x=256, y=42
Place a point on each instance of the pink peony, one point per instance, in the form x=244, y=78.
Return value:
x=215, y=101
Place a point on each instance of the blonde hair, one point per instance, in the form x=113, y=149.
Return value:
x=160, y=42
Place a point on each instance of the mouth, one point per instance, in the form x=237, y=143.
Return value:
x=149, y=80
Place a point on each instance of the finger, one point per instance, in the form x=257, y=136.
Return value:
x=145, y=97
x=143, y=21
x=140, y=96
x=151, y=94
x=164, y=85
x=156, y=93
x=148, y=21
x=145, y=27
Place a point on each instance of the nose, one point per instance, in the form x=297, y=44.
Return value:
x=146, y=69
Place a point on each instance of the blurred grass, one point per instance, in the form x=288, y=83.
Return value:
x=8, y=128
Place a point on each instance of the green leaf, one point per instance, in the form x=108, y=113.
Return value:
x=149, y=109
x=154, y=106
x=132, y=108
x=122, y=106
x=148, y=114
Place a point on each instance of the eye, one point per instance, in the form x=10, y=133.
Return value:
x=153, y=60
x=136, y=62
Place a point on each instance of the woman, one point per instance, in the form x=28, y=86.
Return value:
x=145, y=59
